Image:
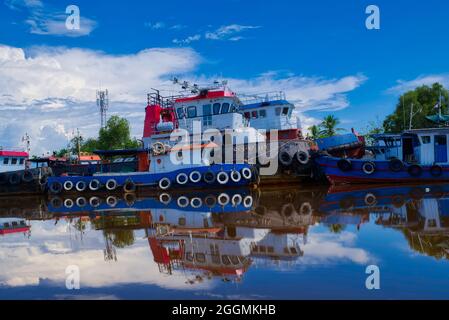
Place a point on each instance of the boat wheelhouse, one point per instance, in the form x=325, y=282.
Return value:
x=12, y=160
x=415, y=155
x=13, y=225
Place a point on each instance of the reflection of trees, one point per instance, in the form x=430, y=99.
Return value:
x=430, y=244
x=122, y=238
x=336, y=228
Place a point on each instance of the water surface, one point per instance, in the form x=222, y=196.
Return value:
x=297, y=242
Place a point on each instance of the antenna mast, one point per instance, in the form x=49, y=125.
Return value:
x=103, y=104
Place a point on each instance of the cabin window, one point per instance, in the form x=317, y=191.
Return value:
x=189, y=256
x=180, y=112
x=6, y=225
x=278, y=111
x=225, y=108
x=191, y=112
x=182, y=221
x=285, y=111
x=293, y=250
x=425, y=139
x=14, y=161
x=225, y=260
x=270, y=249
x=217, y=107
x=200, y=257
x=234, y=260
x=263, y=113
x=5, y=160
x=15, y=224
x=21, y=161
x=248, y=115
x=254, y=114
x=207, y=115
x=234, y=108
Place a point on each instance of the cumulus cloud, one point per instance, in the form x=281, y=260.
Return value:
x=49, y=92
x=27, y=261
x=406, y=85
x=44, y=20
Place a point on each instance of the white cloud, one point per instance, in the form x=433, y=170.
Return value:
x=187, y=40
x=406, y=85
x=228, y=32
x=43, y=20
x=155, y=26
x=51, y=91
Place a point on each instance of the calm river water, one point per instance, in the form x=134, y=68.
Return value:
x=297, y=242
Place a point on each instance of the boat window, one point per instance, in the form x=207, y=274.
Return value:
x=22, y=160
x=234, y=260
x=255, y=115
x=278, y=111
x=182, y=221
x=248, y=115
x=225, y=260
x=180, y=112
x=225, y=108
x=200, y=257
x=270, y=249
x=6, y=225
x=22, y=223
x=14, y=161
x=285, y=111
x=262, y=249
x=293, y=250
x=263, y=113
x=189, y=256
x=425, y=139
x=191, y=112
x=6, y=161
x=207, y=110
x=234, y=108
x=15, y=224
x=217, y=107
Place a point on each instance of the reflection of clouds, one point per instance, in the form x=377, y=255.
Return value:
x=332, y=247
x=46, y=255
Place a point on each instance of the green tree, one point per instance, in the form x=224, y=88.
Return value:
x=314, y=132
x=116, y=135
x=329, y=126
x=423, y=99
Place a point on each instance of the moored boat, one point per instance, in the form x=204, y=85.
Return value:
x=419, y=155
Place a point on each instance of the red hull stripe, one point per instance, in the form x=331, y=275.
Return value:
x=8, y=231
x=13, y=154
x=209, y=95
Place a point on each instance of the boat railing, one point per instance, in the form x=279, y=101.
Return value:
x=261, y=97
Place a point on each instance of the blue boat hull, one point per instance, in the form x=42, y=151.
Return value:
x=151, y=180
x=382, y=173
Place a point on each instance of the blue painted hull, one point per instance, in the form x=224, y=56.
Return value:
x=382, y=173
x=71, y=205
x=148, y=179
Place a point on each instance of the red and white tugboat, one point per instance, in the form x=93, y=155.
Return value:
x=219, y=108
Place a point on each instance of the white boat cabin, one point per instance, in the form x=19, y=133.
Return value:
x=271, y=111
x=12, y=160
x=422, y=146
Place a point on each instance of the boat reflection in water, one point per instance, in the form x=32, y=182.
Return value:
x=176, y=244
x=420, y=212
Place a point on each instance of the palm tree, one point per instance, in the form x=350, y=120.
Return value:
x=329, y=126
x=314, y=131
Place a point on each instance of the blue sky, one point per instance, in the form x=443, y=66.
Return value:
x=319, y=50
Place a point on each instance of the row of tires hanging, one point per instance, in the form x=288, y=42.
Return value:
x=394, y=165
